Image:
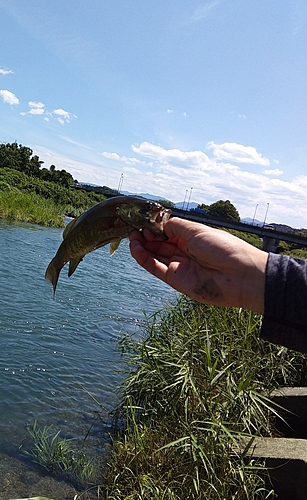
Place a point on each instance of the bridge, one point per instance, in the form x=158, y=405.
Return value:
x=269, y=235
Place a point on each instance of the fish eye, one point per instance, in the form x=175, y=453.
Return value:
x=146, y=208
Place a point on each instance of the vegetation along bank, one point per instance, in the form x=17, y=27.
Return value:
x=30, y=193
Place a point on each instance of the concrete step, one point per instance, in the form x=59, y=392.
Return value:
x=286, y=460
x=294, y=418
x=286, y=456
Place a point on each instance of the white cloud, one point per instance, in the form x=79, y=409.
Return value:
x=169, y=111
x=8, y=97
x=75, y=143
x=174, y=156
x=6, y=71
x=204, y=10
x=124, y=159
x=273, y=171
x=63, y=116
x=111, y=156
x=36, y=104
x=231, y=151
x=36, y=108
x=173, y=171
x=169, y=173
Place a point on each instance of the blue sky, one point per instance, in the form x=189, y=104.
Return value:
x=182, y=97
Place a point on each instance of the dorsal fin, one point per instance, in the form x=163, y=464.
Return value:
x=69, y=227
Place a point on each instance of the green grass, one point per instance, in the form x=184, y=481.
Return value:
x=200, y=382
x=29, y=207
x=65, y=458
x=29, y=199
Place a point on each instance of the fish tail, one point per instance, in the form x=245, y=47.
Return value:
x=52, y=274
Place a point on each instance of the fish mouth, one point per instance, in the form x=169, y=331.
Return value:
x=161, y=217
x=158, y=219
x=155, y=213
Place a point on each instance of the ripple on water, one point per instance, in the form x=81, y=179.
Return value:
x=53, y=351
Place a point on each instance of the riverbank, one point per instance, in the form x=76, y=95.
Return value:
x=32, y=208
x=200, y=380
x=29, y=199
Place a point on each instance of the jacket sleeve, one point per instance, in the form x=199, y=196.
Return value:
x=285, y=302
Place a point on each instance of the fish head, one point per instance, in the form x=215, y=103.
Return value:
x=140, y=213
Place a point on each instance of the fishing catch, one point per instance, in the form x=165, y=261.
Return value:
x=107, y=222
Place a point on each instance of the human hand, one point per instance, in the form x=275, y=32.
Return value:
x=208, y=265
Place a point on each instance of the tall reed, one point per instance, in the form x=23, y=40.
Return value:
x=201, y=382
x=30, y=207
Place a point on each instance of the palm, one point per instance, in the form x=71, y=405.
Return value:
x=206, y=264
x=173, y=261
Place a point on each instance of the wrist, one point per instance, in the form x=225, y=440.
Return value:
x=255, y=282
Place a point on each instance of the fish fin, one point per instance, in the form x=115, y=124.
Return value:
x=114, y=245
x=69, y=227
x=73, y=264
x=52, y=274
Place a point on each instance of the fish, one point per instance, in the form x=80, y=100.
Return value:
x=106, y=222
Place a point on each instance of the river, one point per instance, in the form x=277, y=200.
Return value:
x=54, y=352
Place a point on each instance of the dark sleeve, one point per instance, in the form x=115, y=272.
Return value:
x=285, y=302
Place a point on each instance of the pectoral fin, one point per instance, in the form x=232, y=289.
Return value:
x=114, y=245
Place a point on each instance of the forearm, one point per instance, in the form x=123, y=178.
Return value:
x=285, y=302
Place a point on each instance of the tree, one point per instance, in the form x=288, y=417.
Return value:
x=18, y=157
x=166, y=203
x=223, y=209
x=15, y=156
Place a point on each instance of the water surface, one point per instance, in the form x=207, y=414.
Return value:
x=53, y=351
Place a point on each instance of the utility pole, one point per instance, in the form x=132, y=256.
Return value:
x=255, y=214
x=189, y=198
x=266, y=213
x=185, y=197
x=120, y=184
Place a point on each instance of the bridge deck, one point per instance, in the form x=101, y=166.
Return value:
x=262, y=232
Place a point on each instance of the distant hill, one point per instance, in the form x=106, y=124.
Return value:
x=183, y=204
x=144, y=195
x=254, y=222
x=113, y=192
x=282, y=227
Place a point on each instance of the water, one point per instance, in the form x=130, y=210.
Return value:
x=53, y=351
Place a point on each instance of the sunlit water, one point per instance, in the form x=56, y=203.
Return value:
x=53, y=351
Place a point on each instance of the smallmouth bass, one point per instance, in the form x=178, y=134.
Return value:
x=107, y=222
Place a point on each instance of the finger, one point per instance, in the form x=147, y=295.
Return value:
x=147, y=261
x=144, y=235
x=185, y=230
x=180, y=228
x=136, y=235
